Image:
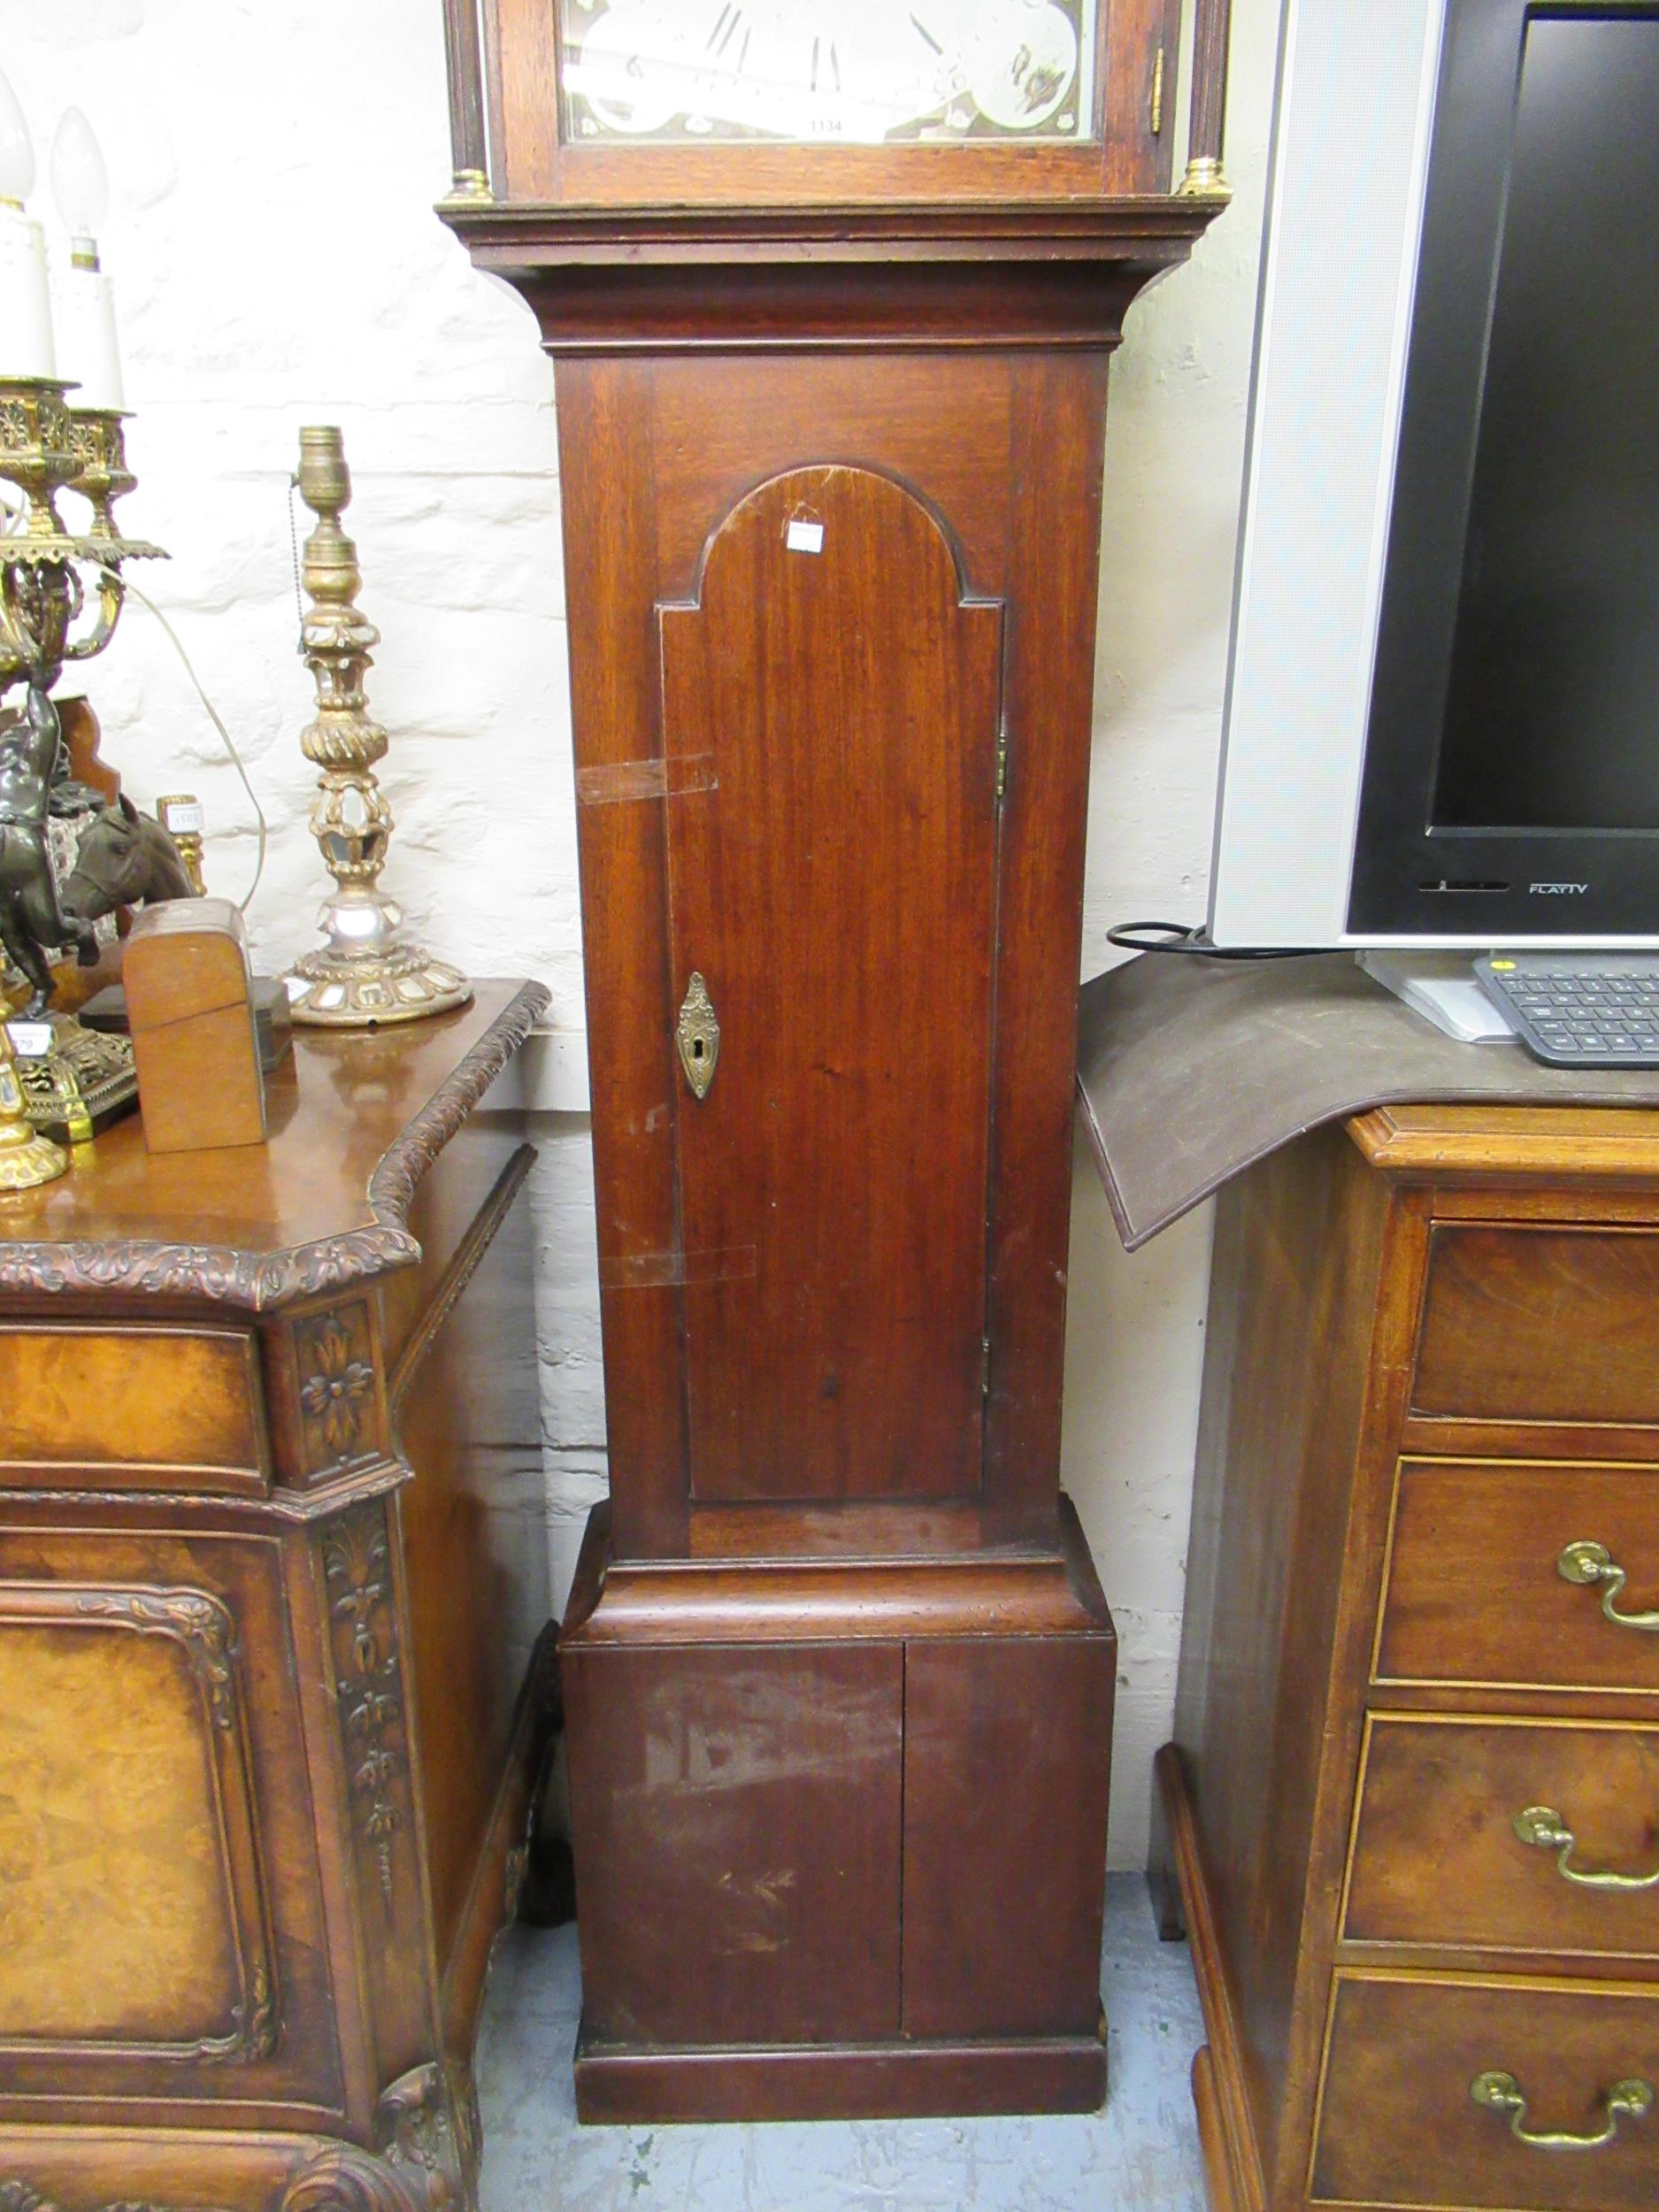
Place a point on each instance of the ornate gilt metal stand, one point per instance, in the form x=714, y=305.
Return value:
x=82, y=1082
x=368, y=971
x=26, y=1159
x=47, y=445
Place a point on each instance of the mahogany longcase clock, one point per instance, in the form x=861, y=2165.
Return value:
x=832, y=291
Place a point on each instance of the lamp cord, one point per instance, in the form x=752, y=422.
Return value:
x=217, y=719
x=294, y=541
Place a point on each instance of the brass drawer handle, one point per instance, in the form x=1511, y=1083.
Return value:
x=698, y=1034
x=1543, y=1826
x=1501, y=2092
x=1586, y=1565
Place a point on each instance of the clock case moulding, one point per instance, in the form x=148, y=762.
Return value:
x=837, y=1668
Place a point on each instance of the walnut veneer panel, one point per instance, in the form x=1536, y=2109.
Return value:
x=123, y=1849
x=133, y=1403
x=158, y=1822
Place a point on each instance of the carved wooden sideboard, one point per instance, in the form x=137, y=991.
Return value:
x=272, y=1688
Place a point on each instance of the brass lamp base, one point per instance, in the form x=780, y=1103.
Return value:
x=366, y=972
x=26, y=1160
x=334, y=990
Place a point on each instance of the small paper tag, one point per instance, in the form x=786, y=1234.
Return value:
x=183, y=818
x=805, y=537
x=30, y=1040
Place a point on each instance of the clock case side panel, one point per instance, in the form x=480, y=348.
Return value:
x=1136, y=65
x=1008, y=450
x=607, y=472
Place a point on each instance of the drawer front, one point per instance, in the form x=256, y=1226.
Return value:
x=1438, y=1858
x=1399, y=2124
x=130, y=1404
x=1540, y=1325
x=1476, y=1595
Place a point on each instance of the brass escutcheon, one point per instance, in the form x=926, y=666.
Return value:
x=697, y=1035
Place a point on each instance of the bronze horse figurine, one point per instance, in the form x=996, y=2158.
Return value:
x=124, y=859
x=33, y=923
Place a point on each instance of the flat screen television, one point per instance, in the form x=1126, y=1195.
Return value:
x=1442, y=722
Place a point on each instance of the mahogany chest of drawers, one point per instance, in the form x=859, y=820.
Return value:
x=1412, y=1807
x=271, y=1574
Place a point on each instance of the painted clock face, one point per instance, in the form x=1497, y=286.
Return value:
x=827, y=72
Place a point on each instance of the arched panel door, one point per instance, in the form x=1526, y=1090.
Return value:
x=832, y=710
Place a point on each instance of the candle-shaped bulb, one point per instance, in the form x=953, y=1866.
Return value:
x=84, y=306
x=81, y=183
x=25, y=315
x=16, y=149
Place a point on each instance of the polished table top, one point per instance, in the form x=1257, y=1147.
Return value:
x=355, y=1118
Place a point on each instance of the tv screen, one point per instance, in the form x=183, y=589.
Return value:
x=1552, y=709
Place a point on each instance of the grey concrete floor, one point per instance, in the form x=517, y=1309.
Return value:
x=1141, y=2154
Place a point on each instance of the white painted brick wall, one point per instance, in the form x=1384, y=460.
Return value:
x=277, y=263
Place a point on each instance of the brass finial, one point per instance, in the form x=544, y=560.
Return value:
x=470, y=187
x=1204, y=181
x=367, y=971
x=181, y=816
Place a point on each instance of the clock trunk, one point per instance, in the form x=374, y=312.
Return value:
x=838, y=1646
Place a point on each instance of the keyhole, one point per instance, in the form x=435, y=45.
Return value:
x=696, y=1049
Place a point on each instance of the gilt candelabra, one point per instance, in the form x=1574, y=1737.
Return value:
x=50, y=576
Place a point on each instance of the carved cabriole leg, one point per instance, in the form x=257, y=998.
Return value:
x=428, y=2129
x=342, y=2179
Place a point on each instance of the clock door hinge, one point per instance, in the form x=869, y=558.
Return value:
x=985, y=1366
x=1001, y=763
x=1157, y=95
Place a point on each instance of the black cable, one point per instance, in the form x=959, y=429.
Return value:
x=1184, y=937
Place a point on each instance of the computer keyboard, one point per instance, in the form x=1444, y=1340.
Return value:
x=1579, y=1009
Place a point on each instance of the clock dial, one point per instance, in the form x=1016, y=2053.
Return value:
x=804, y=73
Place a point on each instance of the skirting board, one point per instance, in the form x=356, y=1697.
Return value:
x=890, y=2081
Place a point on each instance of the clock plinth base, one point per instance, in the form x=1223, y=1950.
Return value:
x=622, y=2086
x=840, y=1828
